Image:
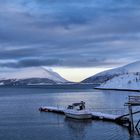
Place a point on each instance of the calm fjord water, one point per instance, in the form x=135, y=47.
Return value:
x=21, y=120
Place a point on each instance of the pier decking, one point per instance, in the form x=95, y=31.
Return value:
x=95, y=115
x=59, y=110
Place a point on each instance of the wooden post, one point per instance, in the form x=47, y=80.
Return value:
x=131, y=117
x=137, y=127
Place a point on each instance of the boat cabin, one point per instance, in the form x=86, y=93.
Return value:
x=77, y=106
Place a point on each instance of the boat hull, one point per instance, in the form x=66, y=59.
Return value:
x=78, y=115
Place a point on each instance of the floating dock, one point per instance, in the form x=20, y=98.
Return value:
x=59, y=110
x=123, y=120
x=95, y=115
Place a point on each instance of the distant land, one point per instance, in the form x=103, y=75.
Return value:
x=39, y=77
x=122, y=78
x=31, y=76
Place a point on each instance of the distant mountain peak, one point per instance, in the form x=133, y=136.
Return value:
x=33, y=72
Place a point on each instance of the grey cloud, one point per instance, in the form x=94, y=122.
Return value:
x=30, y=62
x=38, y=62
x=69, y=33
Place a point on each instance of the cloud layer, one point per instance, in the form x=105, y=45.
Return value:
x=72, y=33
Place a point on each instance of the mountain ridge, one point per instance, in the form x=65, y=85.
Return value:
x=130, y=80
x=31, y=76
x=109, y=74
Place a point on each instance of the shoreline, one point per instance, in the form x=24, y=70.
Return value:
x=135, y=90
x=55, y=86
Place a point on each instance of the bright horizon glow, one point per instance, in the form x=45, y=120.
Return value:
x=78, y=74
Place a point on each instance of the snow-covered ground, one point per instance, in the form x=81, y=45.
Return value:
x=125, y=81
x=129, y=79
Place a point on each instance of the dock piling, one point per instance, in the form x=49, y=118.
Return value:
x=133, y=101
x=131, y=118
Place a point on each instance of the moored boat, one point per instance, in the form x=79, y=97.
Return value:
x=77, y=111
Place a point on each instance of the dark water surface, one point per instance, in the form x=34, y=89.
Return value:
x=21, y=120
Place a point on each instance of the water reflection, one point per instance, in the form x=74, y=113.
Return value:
x=78, y=127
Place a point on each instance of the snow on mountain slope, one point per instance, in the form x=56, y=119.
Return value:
x=132, y=67
x=109, y=74
x=104, y=76
x=34, y=72
x=130, y=81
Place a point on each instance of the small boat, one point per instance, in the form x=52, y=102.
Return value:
x=77, y=111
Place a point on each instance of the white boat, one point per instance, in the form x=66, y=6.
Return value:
x=77, y=111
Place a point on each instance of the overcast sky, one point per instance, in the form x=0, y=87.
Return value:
x=69, y=33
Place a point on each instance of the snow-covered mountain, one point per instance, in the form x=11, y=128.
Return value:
x=104, y=76
x=129, y=79
x=109, y=74
x=31, y=76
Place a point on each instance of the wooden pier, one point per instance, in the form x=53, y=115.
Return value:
x=95, y=115
x=59, y=110
x=124, y=120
